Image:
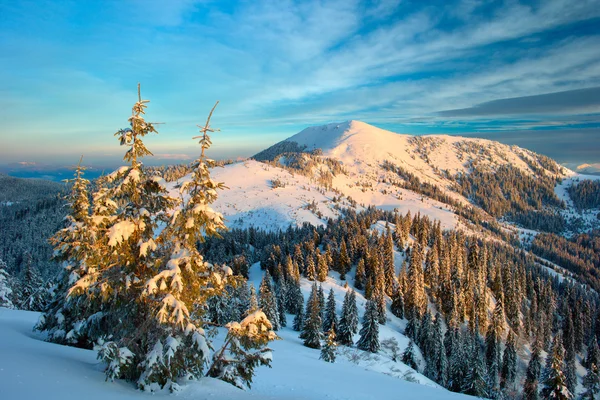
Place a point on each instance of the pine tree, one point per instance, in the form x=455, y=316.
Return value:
x=475, y=380
x=408, y=356
x=369, y=333
x=311, y=332
x=343, y=260
x=66, y=320
x=530, y=388
x=147, y=288
x=5, y=287
x=253, y=305
x=330, y=318
x=593, y=353
x=360, y=279
x=397, y=306
x=437, y=362
x=298, y=320
x=33, y=292
x=509, y=362
x=591, y=383
x=349, y=319
x=328, y=351
x=391, y=284
x=311, y=269
x=415, y=299
x=492, y=346
x=555, y=384
x=322, y=267
x=268, y=302
x=280, y=297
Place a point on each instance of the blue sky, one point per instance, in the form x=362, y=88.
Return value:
x=503, y=69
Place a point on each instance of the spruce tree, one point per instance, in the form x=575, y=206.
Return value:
x=591, y=383
x=140, y=280
x=360, y=278
x=369, y=333
x=397, y=306
x=330, y=318
x=555, y=383
x=408, y=356
x=5, y=287
x=349, y=319
x=328, y=351
x=509, y=362
x=268, y=302
x=415, y=299
x=298, y=320
x=530, y=387
x=437, y=362
x=311, y=332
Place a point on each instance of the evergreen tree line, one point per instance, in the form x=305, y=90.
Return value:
x=580, y=254
x=585, y=194
x=458, y=279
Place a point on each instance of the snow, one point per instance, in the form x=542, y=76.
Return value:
x=120, y=232
x=33, y=369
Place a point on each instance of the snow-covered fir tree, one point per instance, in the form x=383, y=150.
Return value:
x=530, y=387
x=5, y=287
x=509, y=362
x=591, y=383
x=330, y=317
x=142, y=291
x=555, y=383
x=369, y=332
x=349, y=319
x=311, y=331
x=329, y=349
x=267, y=301
x=409, y=357
x=71, y=315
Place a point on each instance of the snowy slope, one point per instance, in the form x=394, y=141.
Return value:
x=358, y=143
x=32, y=369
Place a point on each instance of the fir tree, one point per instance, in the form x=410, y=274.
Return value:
x=555, y=383
x=349, y=319
x=267, y=301
x=322, y=267
x=530, y=388
x=591, y=383
x=408, y=356
x=311, y=332
x=298, y=320
x=593, y=353
x=509, y=362
x=5, y=287
x=397, y=306
x=328, y=351
x=437, y=363
x=475, y=380
x=330, y=318
x=369, y=333
x=360, y=279
x=415, y=298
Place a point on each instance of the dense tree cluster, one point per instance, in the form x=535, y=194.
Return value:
x=31, y=210
x=134, y=284
x=585, y=194
x=470, y=305
x=580, y=254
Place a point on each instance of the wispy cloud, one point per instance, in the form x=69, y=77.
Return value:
x=278, y=66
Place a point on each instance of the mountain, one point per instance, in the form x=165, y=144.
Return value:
x=435, y=175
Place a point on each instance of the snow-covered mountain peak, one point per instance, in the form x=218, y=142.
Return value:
x=330, y=136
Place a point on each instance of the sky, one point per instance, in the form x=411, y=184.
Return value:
x=519, y=72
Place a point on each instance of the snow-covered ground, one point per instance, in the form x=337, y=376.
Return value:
x=32, y=369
